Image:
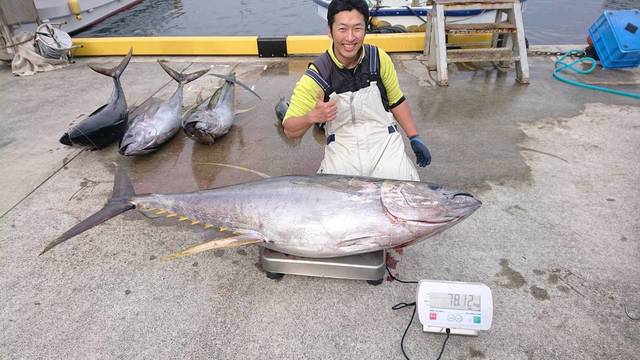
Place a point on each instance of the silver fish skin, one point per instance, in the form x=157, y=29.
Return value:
x=310, y=216
x=159, y=123
x=214, y=117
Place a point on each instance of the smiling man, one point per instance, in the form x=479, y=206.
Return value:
x=353, y=89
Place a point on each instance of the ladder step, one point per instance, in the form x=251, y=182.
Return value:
x=489, y=54
x=498, y=28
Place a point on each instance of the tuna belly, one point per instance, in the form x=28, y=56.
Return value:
x=331, y=248
x=322, y=240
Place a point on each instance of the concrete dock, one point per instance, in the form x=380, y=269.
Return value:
x=557, y=238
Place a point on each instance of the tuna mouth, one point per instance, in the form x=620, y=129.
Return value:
x=128, y=150
x=464, y=194
x=123, y=150
x=66, y=140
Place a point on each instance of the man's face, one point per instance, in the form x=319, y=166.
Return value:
x=347, y=32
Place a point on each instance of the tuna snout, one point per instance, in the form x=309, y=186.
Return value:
x=123, y=150
x=465, y=202
x=66, y=140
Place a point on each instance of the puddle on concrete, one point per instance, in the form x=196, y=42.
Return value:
x=481, y=124
x=539, y=293
x=255, y=141
x=514, y=279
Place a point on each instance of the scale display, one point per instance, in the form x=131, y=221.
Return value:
x=454, y=305
x=453, y=301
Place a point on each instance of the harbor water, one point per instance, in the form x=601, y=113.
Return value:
x=546, y=21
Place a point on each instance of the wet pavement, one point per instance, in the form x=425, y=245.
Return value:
x=556, y=239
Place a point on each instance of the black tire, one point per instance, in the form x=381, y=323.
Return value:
x=375, y=282
x=274, y=276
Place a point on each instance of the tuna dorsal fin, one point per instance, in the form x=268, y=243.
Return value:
x=114, y=72
x=233, y=241
x=232, y=78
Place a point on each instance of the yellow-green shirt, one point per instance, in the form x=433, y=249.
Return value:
x=305, y=94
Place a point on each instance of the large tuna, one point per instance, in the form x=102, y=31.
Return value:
x=107, y=123
x=311, y=216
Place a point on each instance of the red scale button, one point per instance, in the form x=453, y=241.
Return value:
x=433, y=316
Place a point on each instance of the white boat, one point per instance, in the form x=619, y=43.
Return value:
x=72, y=15
x=409, y=15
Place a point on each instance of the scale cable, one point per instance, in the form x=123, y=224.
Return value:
x=403, y=305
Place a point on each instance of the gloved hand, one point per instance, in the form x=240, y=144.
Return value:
x=423, y=156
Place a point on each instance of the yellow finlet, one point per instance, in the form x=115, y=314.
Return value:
x=194, y=222
x=206, y=226
x=182, y=218
x=171, y=214
x=223, y=229
x=162, y=211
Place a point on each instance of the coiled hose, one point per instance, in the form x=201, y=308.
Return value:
x=560, y=66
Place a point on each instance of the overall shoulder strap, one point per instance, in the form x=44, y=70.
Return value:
x=374, y=62
x=323, y=64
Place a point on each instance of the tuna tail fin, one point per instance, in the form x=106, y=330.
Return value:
x=120, y=202
x=114, y=72
x=181, y=77
x=232, y=78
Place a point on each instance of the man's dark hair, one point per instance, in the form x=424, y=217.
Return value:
x=347, y=5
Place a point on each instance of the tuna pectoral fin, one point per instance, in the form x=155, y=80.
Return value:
x=229, y=242
x=242, y=111
x=119, y=203
x=232, y=78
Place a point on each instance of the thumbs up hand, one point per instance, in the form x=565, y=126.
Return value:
x=323, y=111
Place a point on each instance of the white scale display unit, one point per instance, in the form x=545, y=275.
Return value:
x=463, y=307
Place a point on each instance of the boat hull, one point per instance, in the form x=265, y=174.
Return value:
x=88, y=13
x=412, y=17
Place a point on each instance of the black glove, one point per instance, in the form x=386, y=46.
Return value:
x=423, y=156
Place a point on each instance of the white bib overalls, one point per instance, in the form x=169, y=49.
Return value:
x=364, y=139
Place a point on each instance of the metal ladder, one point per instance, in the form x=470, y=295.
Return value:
x=512, y=48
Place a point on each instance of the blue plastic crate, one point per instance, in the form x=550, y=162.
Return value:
x=616, y=38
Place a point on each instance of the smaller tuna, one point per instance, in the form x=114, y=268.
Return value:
x=107, y=123
x=159, y=122
x=214, y=116
x=281, y=109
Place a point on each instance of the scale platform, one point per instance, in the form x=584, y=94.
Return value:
x=369, y=266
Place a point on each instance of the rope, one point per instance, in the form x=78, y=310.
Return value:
x=18, y=43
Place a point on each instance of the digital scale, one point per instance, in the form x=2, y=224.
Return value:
x=369, y=266
x=464, y=308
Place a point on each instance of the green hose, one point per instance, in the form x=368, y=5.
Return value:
x=560, y=65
